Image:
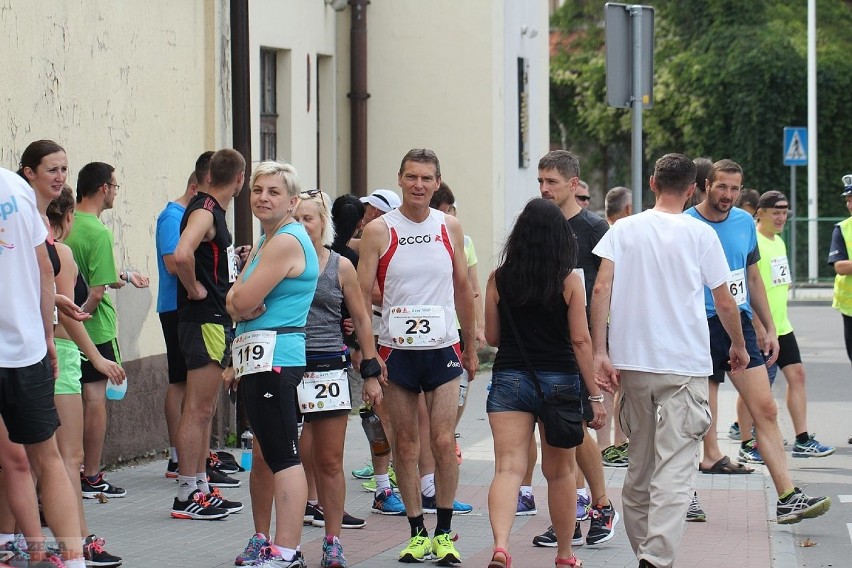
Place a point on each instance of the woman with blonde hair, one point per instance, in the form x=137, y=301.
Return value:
x=270, y=302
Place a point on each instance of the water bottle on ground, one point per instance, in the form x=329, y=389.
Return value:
x=379, y=443
x=246, y=441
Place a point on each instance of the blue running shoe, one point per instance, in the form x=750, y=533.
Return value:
x=811, y=449
x=251, y=553
x=526, y=505
x=459, y=508
x=750, y=453
x=584, y=507
x=386, y=502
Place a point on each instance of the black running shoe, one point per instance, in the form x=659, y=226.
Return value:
x=215, y=499
x=311, y=513
x=219, y=479
x=213, y=462
x=799, y=506
x=172, y=470
x=95, y=555
x=318, y=520
x=548, y=539
x=91, y=489
x=603, y=524
x=197, y=508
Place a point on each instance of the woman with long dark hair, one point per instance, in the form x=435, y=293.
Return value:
x=536, y=285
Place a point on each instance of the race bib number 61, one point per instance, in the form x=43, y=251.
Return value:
x=737, y=286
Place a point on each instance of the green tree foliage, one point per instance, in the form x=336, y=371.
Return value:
x=729, y=75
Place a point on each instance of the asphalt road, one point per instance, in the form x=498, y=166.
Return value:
x=825, y=541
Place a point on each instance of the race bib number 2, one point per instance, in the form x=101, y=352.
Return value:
x=233, y=266
x=737, y=286
x=417, y=326
x=252, y=352
x=780, y=271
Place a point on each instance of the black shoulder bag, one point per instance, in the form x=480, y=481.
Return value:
x=561, y=414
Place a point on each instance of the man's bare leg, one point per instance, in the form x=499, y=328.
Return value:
x=442, y=412
x=753, y=386
x=202, y=388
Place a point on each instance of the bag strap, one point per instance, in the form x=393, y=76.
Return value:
x=504, y=307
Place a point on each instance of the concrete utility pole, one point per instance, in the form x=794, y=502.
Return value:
x=813, y=210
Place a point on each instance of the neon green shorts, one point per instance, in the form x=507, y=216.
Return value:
x=69, y=368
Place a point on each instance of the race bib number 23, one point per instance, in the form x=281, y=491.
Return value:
x=417, y=326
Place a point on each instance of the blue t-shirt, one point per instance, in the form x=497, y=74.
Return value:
x=168, y=235
x=739, y=241
x=288, y=303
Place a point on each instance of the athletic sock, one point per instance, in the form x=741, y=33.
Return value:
x=803, y=438
x=76, y=563
x=173, y=454
x=201, y=482
x=313, y=502
x=417, y=526
x=6, y=538
x=382, y=481
x=186, y=485
x=786, y=495
x=427, y=485
x=445, y=521
x=745, y=444
x=582, y=492
x=526, y=490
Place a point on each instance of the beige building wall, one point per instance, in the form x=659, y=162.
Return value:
x=443, y=75
x=132, y=84
x=303, y=34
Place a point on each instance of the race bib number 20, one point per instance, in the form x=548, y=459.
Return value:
x=321, y=391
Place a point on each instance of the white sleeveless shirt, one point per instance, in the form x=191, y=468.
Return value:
x=415, y=277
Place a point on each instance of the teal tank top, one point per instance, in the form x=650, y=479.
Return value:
x=288, y=303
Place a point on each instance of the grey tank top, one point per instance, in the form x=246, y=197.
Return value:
x=323, y=331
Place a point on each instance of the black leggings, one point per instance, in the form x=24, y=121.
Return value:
x=847, y=335
x=271, y=406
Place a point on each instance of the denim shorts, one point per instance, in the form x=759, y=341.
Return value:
x=513, y=390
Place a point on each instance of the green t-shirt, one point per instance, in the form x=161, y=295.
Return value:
x=91, y=242
x=775, y=272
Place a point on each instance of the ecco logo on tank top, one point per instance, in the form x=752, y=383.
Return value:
x=419, y=239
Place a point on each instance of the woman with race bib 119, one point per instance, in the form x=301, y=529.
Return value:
x=270, y=302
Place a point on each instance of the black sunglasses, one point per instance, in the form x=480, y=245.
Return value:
x=583, y=197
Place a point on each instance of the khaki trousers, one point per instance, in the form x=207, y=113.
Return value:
x=665, y=417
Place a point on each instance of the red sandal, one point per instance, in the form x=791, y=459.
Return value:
x=573, y=561
x=497, y=563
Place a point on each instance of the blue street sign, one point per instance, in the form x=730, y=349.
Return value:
x=795, y=146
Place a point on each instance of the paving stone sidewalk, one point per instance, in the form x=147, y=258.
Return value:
x=139, y=528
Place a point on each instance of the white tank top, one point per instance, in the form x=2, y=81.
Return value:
x=415, y=277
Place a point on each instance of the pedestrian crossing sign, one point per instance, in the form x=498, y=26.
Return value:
x=795, y=146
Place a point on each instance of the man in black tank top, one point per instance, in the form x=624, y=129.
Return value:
x=559, y=180
x=206, y=267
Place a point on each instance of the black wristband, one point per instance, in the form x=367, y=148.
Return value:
x=370, y=368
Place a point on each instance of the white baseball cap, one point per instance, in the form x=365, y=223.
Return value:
x=384, y=200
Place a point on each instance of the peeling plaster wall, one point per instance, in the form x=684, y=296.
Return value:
x=143, y=86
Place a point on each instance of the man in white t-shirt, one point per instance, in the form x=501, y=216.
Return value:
x=650, y=286
x=28, y=359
